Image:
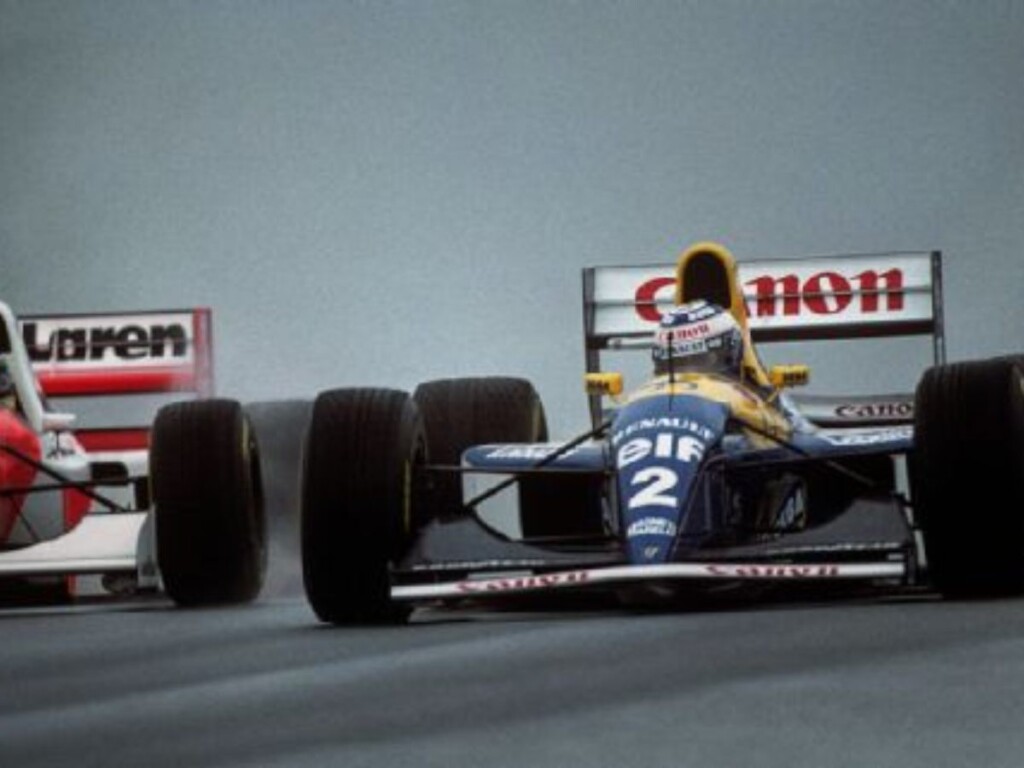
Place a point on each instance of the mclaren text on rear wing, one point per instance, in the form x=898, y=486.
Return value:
x=148, y=355
x=105, y=354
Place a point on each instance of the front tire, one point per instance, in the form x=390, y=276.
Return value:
x=359, y=502
x=968, y=475
x=211, y=538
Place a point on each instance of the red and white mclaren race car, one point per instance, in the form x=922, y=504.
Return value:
x=77, y=492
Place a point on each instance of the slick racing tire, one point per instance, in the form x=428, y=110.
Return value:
x=968, y=476
x=211, y=538
x=359, y=501
x=460, y=413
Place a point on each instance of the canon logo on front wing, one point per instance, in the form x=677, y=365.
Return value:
x=125, y=343
x=515, y=584
x=825, y=571
x=823, y=293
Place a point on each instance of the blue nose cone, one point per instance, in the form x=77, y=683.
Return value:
x=660, y=444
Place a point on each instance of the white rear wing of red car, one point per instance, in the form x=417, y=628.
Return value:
x=791, y=299
x=143, y=358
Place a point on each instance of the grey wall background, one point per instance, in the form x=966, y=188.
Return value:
x=387, y=192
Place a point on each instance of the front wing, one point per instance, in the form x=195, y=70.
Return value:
x=666, y=573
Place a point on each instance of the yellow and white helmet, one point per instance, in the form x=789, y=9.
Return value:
x=698, y=336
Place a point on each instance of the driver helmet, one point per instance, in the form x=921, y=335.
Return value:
x=698, y=336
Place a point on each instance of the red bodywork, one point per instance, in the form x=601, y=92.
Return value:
x=17, y=473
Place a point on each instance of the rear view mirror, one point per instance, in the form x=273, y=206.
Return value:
x=603, y=384
x=789, y=375
x=57, y=422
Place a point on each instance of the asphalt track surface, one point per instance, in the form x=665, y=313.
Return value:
x=860, y=683
x=856, y=682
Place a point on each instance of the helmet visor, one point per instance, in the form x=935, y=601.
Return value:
x=713, y=355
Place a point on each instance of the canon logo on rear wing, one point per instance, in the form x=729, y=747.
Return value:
x=791, y=295
x=821, y=297
x=166, y=342
x=825, y=297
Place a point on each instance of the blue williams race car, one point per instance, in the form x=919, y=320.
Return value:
x=709, y=477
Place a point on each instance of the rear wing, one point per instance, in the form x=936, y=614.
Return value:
x=147, y=357
x=793, y=299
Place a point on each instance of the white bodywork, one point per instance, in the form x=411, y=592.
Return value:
x=101, y=543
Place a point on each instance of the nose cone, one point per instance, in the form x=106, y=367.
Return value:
x=660, y=445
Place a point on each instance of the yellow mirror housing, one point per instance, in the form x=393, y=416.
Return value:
x=603, y=384
x=789, y=375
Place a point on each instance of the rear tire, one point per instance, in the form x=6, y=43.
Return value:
x=968, y=475
x=211, y=538
x=460, y=413
x=359, y=502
